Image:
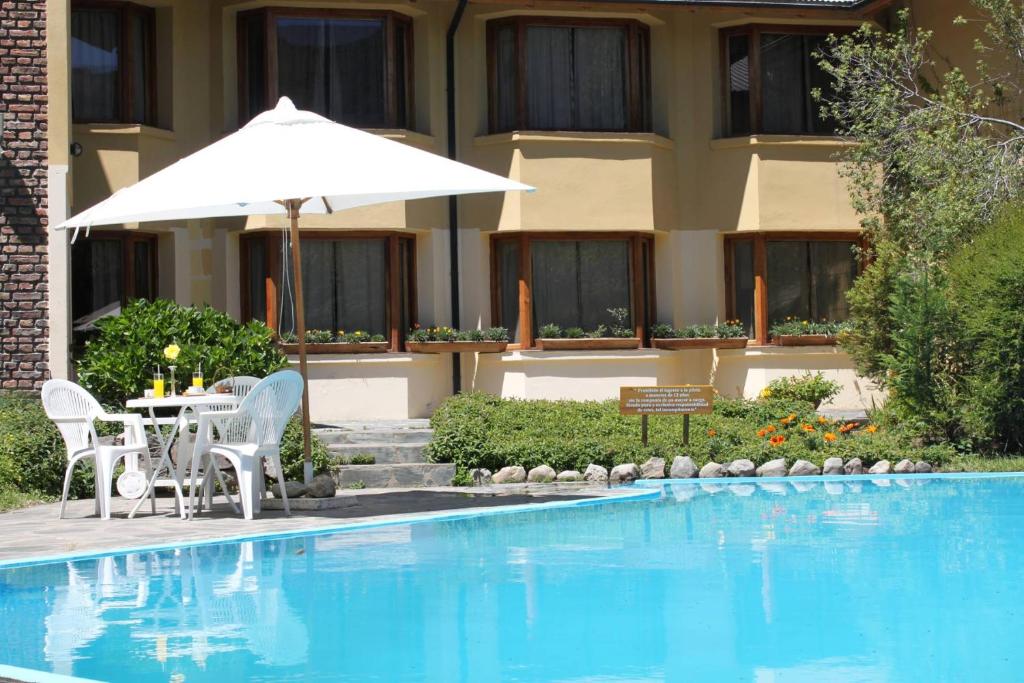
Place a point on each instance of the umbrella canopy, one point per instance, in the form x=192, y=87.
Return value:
x=290, y=154
x=287, y=161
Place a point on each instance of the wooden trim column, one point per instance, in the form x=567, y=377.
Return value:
x=525, y=292
x=394, y=293
x=761, y=288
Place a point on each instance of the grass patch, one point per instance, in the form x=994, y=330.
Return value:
x=977, y=463
x=12, y=500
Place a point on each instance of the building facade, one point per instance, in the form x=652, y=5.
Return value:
x=682, y=175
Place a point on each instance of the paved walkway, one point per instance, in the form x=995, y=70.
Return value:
x=37, y=532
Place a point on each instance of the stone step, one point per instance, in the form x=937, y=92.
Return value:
x=394, y=476
x=332, y=435
x=383, y=453
x=375, y=425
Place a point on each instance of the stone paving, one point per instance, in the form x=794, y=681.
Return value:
x=37, y=532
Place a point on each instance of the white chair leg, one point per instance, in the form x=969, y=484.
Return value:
x=223, y=485
x=149, y=474
x=196, y=460
x=67, y=487
x=104, y=473
x=280, y=483
x=246, y=484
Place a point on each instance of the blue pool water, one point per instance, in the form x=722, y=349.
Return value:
x=896, y=580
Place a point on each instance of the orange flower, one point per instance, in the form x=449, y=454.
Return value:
x=822, y=419
x=770, y=428
x=807, y=427
x=712, y=432
x=762, y=432
x=848, y=427
x=788, y=419
x=777, y=440
x=829, y=437
x=871, y=429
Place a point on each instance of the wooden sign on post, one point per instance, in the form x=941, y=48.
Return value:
x=683, y=399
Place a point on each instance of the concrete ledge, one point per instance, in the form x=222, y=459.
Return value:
x=342, y=500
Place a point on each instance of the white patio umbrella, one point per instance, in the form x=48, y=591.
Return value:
x=287, y=161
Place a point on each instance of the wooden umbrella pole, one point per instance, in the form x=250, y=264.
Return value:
x=293, y=206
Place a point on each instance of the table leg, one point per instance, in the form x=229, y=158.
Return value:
x=165, y=458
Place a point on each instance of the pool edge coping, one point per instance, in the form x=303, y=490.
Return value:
x=627, y=494
x=24, y=675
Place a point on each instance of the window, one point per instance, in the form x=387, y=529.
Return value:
x=352, y=67
x=112, y=63
x=773, y=277
x=350, y=282
x=108, y=269
x=768, y=75
x=586, y=75
x=570, y=281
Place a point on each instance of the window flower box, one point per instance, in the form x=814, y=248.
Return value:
x=806, y=340
x=337, y=347
x=456, y=346
x=587, y=343
x=700, y=343
x=794, y=332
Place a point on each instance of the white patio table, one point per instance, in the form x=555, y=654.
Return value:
x=185, y=404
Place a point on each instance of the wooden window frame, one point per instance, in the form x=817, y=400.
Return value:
x=272, y=266
x=128, y=241
x=753, y=33
x=638, y=66
x=270, y=76
x=642, y=307
x=126, y=59
x=760, y=252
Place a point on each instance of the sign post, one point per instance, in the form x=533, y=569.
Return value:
x=683, y=399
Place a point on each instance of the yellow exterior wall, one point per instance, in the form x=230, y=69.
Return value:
x=680, y=182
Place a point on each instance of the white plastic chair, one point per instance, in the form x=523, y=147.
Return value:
x=248, y=434
x=240, y=387
x=75, y=411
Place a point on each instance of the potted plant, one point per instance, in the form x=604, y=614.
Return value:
x=727, y=335
x=795, y=332
x=325, y=341
x=448, y=340
x=619, y=336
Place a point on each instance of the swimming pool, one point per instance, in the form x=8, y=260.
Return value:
x=845, y=579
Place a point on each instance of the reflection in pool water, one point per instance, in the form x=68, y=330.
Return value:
x=768, y=581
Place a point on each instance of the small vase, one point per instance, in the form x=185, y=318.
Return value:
x=174, y=390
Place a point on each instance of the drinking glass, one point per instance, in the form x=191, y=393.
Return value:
x=158, y=384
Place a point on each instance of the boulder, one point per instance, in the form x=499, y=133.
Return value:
x=623, y=474
x=481, y=476
x=595, y=473
x=772, y=468
x=803, y=468
x=854, y=466
x=322, y=486
x=833, y=466
x=569, y=475
x=880, y=467
x=541, y=475
x=713, y=470
x=294, y=489
x=683, y=468
x=513, y=474
x=741, y=468
x=922, y=467
x=653, y=469
x=904, y=466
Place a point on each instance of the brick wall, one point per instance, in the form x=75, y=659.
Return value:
x=23, y=282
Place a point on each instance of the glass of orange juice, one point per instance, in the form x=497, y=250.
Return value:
x=197, y=378
x=158, y=384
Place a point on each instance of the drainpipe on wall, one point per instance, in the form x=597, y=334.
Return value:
x=453, y=203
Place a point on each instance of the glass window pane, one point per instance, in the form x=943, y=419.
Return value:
x=739, y=85
x=356, y=72
x=318, y=284
x=508, y=273
x=549, y=78
x=789, y=290
x=140, y=58
x=506, y=96
x=605, y=279
x=743, y=284
x=821, y=80
x=257, y=254
x=556, y=283
x=96, y=274
x=833, y=270
x=601, y=82
x=360, y=285
x=302, y=63
x=143, y=270
x=784, y=88
x=253, y=27
x=95, y=59
x=401, y=77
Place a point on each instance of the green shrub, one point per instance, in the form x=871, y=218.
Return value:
x=986, y=289
x=292, y=458
x=479, y=430
x=814, y=389
x=32, y=453
x=118, y=363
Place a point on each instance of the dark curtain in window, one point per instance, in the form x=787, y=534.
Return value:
x=599, y=60
x=743, y=284
x=256, y=250
x=576, y=282
x=508, y=273
x=789, y=282
x=252, y=28
x=549, y=78
x=739, y=85
x=809, y=280
x=506, y=95
x=789, y=72
x=97, y=271
x=140, y=56
x=335, y=67
x=95, y=63
x=833, y=270
x=143, y=270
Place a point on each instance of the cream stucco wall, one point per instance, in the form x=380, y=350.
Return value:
x=680, y=182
